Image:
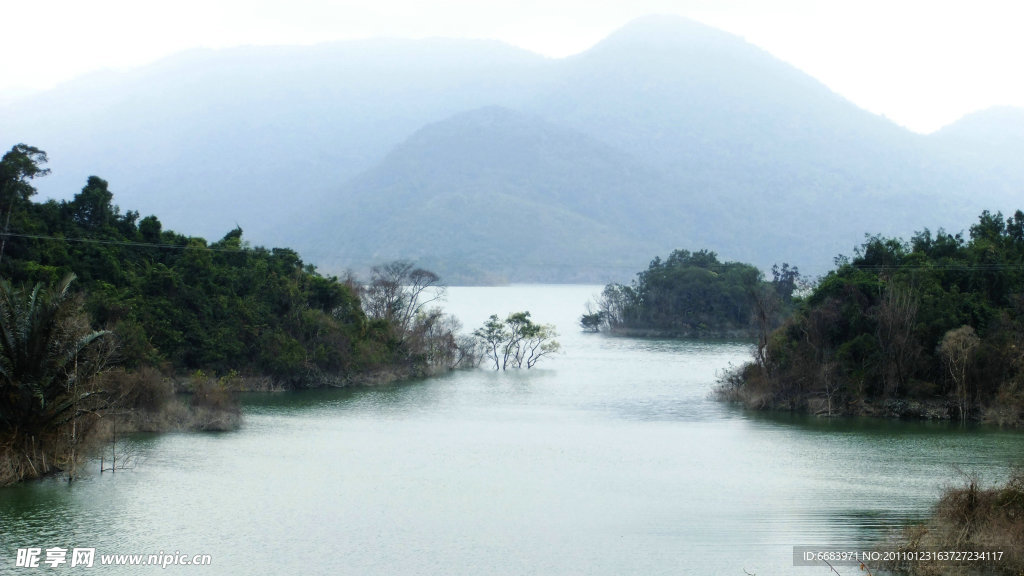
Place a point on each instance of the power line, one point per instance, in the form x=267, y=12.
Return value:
x=123, y=243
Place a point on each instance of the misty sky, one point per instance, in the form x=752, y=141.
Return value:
x=921, y=63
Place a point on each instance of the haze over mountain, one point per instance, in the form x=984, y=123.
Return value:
x=489, y=163
x=510, y=196
x=208, y=138
x=991, y=140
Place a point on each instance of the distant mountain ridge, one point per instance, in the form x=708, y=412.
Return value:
x=492, y=164
x=208, y=138
x=532, y=200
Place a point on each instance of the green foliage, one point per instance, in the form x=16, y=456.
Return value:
x=694, y=294
x=934, y=319
x=592, y=321
x=188, y=304
x=47, y=356
x=50, y=397
x=516, y=341
x=21, y=164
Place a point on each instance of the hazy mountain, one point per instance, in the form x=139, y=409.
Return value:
x=490, y=163
x=807, y=172
x=988, y=142
x=209, y=138
x=497, y=195
x=743, y=154
x=682, y=95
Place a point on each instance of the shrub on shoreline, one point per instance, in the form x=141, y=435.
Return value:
x=970, y=518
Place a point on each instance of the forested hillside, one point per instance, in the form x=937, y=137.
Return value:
x=928, y=327
x=184, y=303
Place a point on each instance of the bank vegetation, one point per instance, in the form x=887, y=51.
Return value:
x=110, y=322
x=694, y=295
x=987, y=523
x=931, y=327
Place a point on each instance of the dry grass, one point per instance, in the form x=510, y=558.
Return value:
x=973, y=518
x=139, y=401
x=1007, y=409
x=27, y=456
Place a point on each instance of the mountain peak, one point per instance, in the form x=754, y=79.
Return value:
x=667, y=31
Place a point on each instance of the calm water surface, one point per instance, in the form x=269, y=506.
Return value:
x=607, y=459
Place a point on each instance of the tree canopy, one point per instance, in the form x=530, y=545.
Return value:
x=939, y=317
x=516, y=341
x=691, y=294
x=188, y=304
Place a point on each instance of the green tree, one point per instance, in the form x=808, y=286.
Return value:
x=934, y=319
x=493, y=335
x=516, y=341
x=19, y=165
x=184, y=304
x=93, y=207
x=592, y=321
x=693, y=294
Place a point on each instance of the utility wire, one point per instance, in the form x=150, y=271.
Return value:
x=122, y=243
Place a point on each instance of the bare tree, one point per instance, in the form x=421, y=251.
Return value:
x=401, y=294
x=896, y=316
x=398, y=291
x=434, y=339
x=831, y=384
x=766, y=306
x=957, y=350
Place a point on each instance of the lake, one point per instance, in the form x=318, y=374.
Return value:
x=609, y=458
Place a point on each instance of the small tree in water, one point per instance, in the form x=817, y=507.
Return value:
x=516, y=341
x=592, y=319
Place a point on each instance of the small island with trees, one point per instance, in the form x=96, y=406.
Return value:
x=694, y=295
x=930, y=328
